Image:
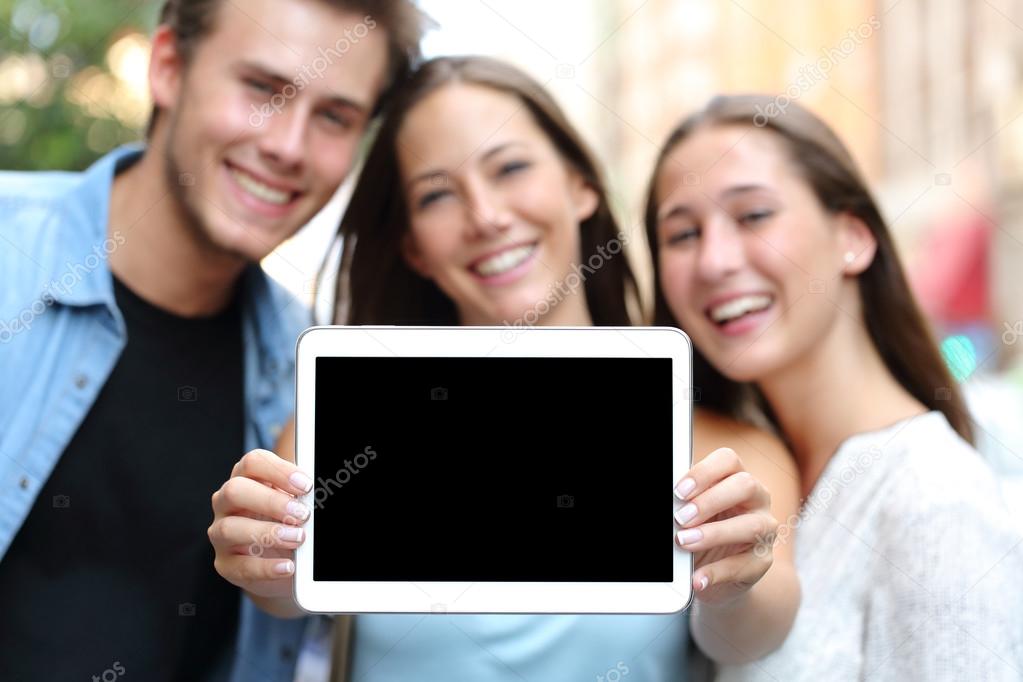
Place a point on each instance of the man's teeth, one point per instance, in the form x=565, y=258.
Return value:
x=504, y=261
x=259, y=190
x=738, y=307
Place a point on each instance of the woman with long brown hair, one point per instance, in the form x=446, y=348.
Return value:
x=479, y=205
x=771, y=253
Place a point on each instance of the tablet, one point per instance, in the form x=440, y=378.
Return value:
x=493, y=469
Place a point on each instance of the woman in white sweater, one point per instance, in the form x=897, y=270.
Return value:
x=771, y=253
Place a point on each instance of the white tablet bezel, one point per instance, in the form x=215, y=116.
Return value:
x=499, y=597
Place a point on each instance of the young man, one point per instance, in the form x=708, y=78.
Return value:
x=142, y=349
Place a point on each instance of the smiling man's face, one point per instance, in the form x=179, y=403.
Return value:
x=263, y=122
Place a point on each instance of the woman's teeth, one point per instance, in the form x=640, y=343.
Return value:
x=259, y=190
x=504, y=261
x=738, y=307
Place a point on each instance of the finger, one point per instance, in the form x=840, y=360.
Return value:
x=240, y=534
x=244, y=496
x=719, y=464
x=738, y=490
x=754, y=528
x=740, y=571
x=243, y=570
x=265, y=466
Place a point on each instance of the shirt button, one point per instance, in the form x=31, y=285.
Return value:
x=287, y=653
x=23, y=483
x=81, y=381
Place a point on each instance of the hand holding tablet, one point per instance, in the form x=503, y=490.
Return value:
x=261, y=512
x=477, y=469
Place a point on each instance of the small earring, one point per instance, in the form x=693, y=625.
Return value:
x=849, y=257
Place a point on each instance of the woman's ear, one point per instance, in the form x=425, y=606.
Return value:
x=585, y=198
x=858, y=244
x=412, y=257
x=165, y=68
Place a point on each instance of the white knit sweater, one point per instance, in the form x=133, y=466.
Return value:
x=911, y=567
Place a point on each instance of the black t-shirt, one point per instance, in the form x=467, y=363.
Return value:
x=112, y=572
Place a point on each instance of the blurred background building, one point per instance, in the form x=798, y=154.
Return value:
x=928, y=94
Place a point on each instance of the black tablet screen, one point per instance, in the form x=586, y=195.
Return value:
x=493, y=469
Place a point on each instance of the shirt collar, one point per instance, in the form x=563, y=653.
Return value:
x=270, y=310
x=79, y=272
x=85, y=213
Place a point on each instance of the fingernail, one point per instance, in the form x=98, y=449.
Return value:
x=703, y=583
x=686, y=513
x=687, y=537
x=301, y=481
x=684, y=487
x=298, y=510
x=290, y=533
x=284, y=568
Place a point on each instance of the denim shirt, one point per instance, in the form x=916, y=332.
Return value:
x=61, y=334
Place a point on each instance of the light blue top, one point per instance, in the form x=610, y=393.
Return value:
x=61, y=334
x=513, y=648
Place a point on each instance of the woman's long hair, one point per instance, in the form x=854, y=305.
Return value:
x=894, y=322
x=376, y=286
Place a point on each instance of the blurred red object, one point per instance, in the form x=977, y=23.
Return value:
x=950, y=277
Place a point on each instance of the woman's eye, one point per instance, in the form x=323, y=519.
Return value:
x=754, y=217
x=432, y=197
x=681, y=236
x=337, y=119
x=513, y=167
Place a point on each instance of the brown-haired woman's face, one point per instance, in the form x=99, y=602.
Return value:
x=494, y=211
x=751, y=264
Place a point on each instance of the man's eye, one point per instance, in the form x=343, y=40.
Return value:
x=259, y=86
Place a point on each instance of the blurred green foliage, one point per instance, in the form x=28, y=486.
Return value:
x=45, y=44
